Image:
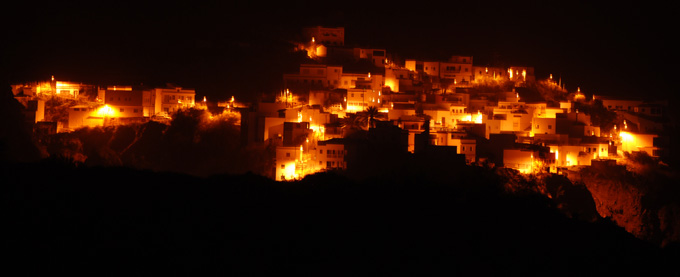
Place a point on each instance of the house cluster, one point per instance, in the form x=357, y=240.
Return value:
x=433, y=104
x=90, y=106
x=428, y=108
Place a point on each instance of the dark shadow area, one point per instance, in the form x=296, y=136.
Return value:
x=115, y=221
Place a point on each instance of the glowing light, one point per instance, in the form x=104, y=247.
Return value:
x=369, y=74
x=524, y=74
x=105, y=111
x=232, y=98
x=478, y=118
x=299, y=117
x=486, y=70
x=627, y=137
x=204, y=99
x=313, y=40
x=550, y=76
x=510, y=71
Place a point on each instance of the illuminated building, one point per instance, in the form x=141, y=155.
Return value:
x=128, y=103
x=529, y=161
x=169, y=100
x=88, y=116
x=634, y=142
x=359, y=99
x=288, y=162
x=330, y=154
x=325, y=35
x=488, y=73
x=313, y=76
x=398, y=78
x=457, y=68
x=521, y=74
x=546, y=126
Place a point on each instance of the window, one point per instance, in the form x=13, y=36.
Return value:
x=122, y=110
x=283, y=166
x=549, y=127
x=328, y=164
x=320, y=162
x=537, y=126
x=136, y=110
x=320, y=151
x=287, y=154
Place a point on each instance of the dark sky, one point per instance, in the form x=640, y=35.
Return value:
x=223, y=49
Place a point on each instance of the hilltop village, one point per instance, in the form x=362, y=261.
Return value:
x=347, y=102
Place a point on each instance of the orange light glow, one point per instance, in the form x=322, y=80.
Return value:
x=105, y=111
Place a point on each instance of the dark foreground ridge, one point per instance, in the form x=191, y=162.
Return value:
x=101, y=221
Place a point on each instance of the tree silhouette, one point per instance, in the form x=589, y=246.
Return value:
x=371, y=113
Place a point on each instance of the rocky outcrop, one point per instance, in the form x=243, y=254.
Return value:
x=646, y=204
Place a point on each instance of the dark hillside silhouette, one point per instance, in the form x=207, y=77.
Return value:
x=116, y=221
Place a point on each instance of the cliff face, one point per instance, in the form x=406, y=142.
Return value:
x=645, y=203
x=572, y=199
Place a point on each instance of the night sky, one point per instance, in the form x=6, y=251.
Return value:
x=223, y=49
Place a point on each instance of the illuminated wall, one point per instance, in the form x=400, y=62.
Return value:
x=87, y=116
x=360, y=99
x=543, y=125
x=328, y=155
x=169, y=100
x=631, y=142
x=519, y=160
x=286, y=159
x=66, y=89
x=484, y=73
